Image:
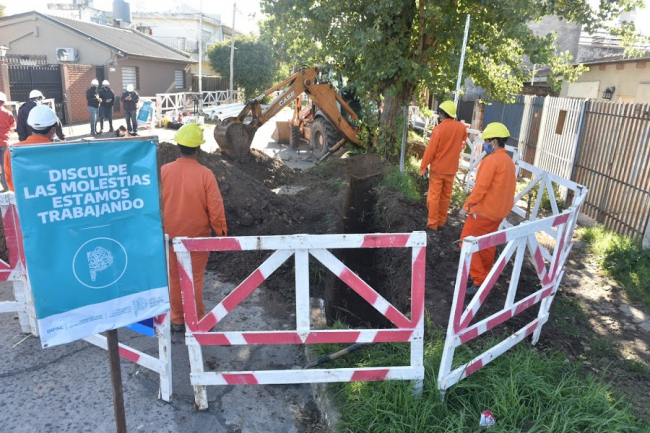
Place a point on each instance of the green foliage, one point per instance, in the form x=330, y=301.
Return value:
x=458, y=196
x=389, y=49
x=545, y=204
x=525, y=390
x=623, y=258
x=407, y=183
x=254, y=66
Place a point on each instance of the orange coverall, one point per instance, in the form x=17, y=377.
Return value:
x=192, y=204
x=489, y=203
x=32, y=139
x=442, y=156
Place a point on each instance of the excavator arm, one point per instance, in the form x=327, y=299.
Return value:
x=235, y=137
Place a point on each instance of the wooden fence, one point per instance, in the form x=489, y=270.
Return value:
x=613, y=161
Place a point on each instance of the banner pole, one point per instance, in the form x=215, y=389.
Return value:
x=116, y=379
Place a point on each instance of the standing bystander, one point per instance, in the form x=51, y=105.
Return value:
x=107, y=100
x=22, y=126
x=192, y=206
x=43, y=122
x=440, y=163
x=130, y=98
x=491, y=199
x=7, y=124
x=93, y=100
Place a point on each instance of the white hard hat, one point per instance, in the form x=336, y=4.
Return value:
x=3, y=97
x=105, y=83
x=129, y=87
x=42, y=117
x=94, y=82
x=35, y=94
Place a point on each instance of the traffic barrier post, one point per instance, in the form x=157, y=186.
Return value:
x=198, y=330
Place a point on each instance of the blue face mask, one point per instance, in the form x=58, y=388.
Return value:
x=488, y=148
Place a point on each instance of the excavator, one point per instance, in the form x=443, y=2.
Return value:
x=328, y=124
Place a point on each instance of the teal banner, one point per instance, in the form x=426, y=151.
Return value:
x=92, y=234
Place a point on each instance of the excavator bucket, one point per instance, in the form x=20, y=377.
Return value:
x=282, y=132
x=234, y=137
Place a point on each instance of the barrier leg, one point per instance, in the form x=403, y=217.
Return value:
x=163, y=333
x=19, y=296
x=417, y=356
x=196, y=366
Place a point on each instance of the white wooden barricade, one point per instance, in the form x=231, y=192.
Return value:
x=15, y=271
x=520, y=241
x=302, y=246
x=174, y=101
x=217, y=97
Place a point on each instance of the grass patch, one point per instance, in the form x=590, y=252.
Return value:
x=526, y=390
x=568, y=315
x=458, y=195
x=409, y=183
x=622, y=258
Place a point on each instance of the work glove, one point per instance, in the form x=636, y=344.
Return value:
x=425, y=175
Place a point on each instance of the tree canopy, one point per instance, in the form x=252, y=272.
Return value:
x=254, y=67
x=392, y=47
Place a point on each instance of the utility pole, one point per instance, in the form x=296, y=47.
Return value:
x=232, y=50
x=200, y=38
x=462, y=61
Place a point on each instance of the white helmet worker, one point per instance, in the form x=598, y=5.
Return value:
x=94, y=82
x=35, y=94
x=129, y=88
x=105, y=83
x=3, y=98
x=42, y=118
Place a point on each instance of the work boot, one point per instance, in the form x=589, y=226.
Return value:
x=178, y=328
x=471, y=290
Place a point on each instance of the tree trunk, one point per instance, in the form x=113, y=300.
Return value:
x=392, y=120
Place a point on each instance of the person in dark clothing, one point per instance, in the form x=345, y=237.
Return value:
x=130, y=99
x=22, y=128
x=92, y=99
x=107, y=100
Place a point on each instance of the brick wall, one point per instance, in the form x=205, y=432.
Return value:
x=76, y=80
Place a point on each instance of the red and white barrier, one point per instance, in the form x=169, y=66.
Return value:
x=161, y=365
x=301, y=246
x=519, y=241
x=15, y=270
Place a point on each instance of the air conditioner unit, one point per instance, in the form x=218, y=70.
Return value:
x=67, y=54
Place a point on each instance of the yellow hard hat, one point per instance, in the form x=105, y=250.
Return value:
x=495, y=130
x=448, y=107
x=190, y=135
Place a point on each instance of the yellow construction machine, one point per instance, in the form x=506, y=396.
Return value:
x=328, y=123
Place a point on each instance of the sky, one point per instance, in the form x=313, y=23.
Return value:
x=246, y=18
x=243, y=20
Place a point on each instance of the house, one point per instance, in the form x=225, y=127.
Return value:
x=613, y=78
x=180, y=29
x=84, y=51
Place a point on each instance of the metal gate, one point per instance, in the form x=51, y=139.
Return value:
x=46, y=78
x=613, y=161
x=529, y=130
x=508, y=114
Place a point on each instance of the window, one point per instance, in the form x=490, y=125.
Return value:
x=130, y=76
x=179, y=79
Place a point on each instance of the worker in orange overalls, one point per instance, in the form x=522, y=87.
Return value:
x=43, y=122
x=491, y=199
x=7, y=124
x=440, y=163
x=192, y=206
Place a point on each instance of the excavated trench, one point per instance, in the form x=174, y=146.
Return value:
x=341, y=302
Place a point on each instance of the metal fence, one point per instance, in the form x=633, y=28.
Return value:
x=613, y=161
x=508, y=114
x=602, y=145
